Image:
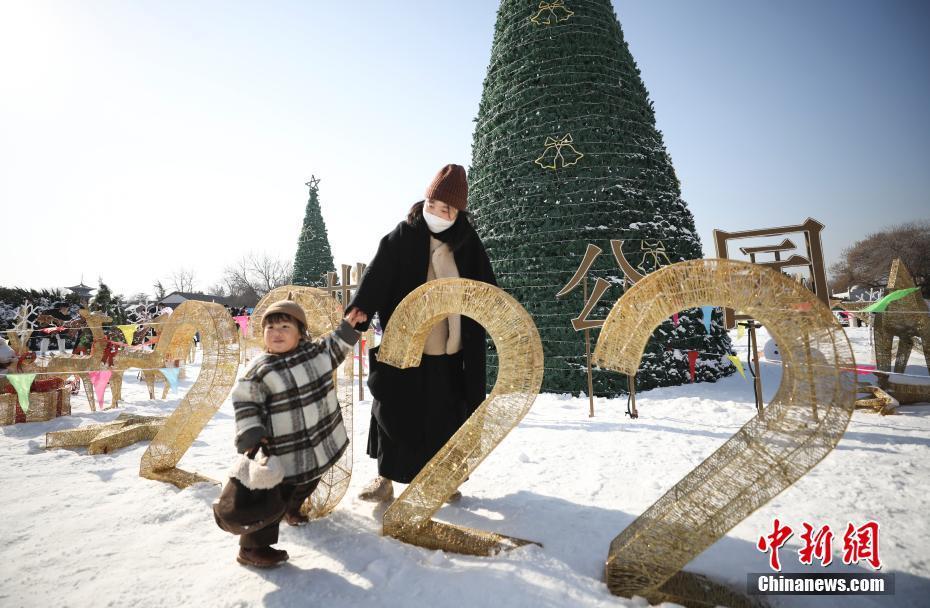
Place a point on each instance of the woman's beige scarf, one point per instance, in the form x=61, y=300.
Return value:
x=446, y=337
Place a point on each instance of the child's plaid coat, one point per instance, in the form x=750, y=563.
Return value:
x=290, y=400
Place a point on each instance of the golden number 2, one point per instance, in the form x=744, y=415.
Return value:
x=518, y=381
x=220, y=342
x=804, y=422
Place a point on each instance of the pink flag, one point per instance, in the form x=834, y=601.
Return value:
x=100, y=379
x=243, y=321
x=675, y=319
x=692, y=363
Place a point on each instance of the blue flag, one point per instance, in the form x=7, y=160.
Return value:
x=708, y=312
x=171, y=375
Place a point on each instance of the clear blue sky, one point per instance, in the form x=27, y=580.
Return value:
x=137, y=138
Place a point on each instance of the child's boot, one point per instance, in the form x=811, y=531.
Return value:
x=261, y=557
x=296, y=518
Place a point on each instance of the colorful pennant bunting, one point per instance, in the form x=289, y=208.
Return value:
x=22, y=383
x=100, y=379
x=129, y=331
x=171, y=375
x=739, y=365
x=692, y=363
x=708, y=312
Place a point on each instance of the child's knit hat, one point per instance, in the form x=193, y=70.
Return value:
x=288, y=307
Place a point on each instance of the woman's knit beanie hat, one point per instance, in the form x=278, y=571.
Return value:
x=450, y=187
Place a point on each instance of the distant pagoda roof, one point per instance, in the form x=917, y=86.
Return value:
x=81, y=289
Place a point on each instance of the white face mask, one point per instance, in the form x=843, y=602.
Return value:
x=436, y=224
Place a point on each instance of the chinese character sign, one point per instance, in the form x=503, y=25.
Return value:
x=859, y=544
x=811, y=256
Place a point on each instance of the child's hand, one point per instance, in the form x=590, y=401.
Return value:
x=355, y=317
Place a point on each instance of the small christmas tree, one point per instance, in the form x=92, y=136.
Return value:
x=314, y=256
x=566, y=152
x=112, y=306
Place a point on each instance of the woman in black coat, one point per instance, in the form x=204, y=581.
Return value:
x=415, y=411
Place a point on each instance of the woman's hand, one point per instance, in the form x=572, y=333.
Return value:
x=355, y=317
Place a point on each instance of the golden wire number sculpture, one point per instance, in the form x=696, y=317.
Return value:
x=804, y=422
x=220, y=342
x=324, y=314
x=518, y=381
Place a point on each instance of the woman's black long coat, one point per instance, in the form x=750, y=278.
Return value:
x=403, y=414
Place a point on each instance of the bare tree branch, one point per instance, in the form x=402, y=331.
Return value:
x=183, y=280
x=256, y=273
x=866, y=263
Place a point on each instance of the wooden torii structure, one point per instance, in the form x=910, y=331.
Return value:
x=342, y=292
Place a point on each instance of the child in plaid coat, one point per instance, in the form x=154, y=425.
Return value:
x=286, y=400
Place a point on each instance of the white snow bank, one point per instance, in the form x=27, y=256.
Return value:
x=85, y=530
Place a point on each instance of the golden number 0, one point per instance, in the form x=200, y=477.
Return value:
x=519, y=378
x=324, y=314
x=220, y=342
x=803, y=423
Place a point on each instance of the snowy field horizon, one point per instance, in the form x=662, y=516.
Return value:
x=86, y=530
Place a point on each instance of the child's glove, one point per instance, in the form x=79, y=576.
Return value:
x=251, y=439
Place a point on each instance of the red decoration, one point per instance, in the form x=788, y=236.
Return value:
x=38, y=386
x=109, y=353
x=26, y=357
x=692, y=363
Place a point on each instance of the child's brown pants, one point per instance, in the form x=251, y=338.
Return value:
x=267, y=536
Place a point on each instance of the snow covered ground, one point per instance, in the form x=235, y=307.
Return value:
x=82, y=530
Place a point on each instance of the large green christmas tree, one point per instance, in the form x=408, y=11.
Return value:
x=566, y=153
x=314, y=257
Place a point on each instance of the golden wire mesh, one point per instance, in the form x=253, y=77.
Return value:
x=104, y=438
x=220, y=342
x=324, y=314
x=908, y=394
x=519, y=378
x=877, y=400
x=147, y=361
x=803, y=423
x=335, y=481
x=906, y=318
x=80, y=365
x=42, y=406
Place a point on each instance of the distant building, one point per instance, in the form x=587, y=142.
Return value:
x=175, y=298
x=82, y=291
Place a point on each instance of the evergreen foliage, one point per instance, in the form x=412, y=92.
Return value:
x=159, y=291
x=314, y=256
x=111, y=305
x=566, y=153
x=11, y=298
